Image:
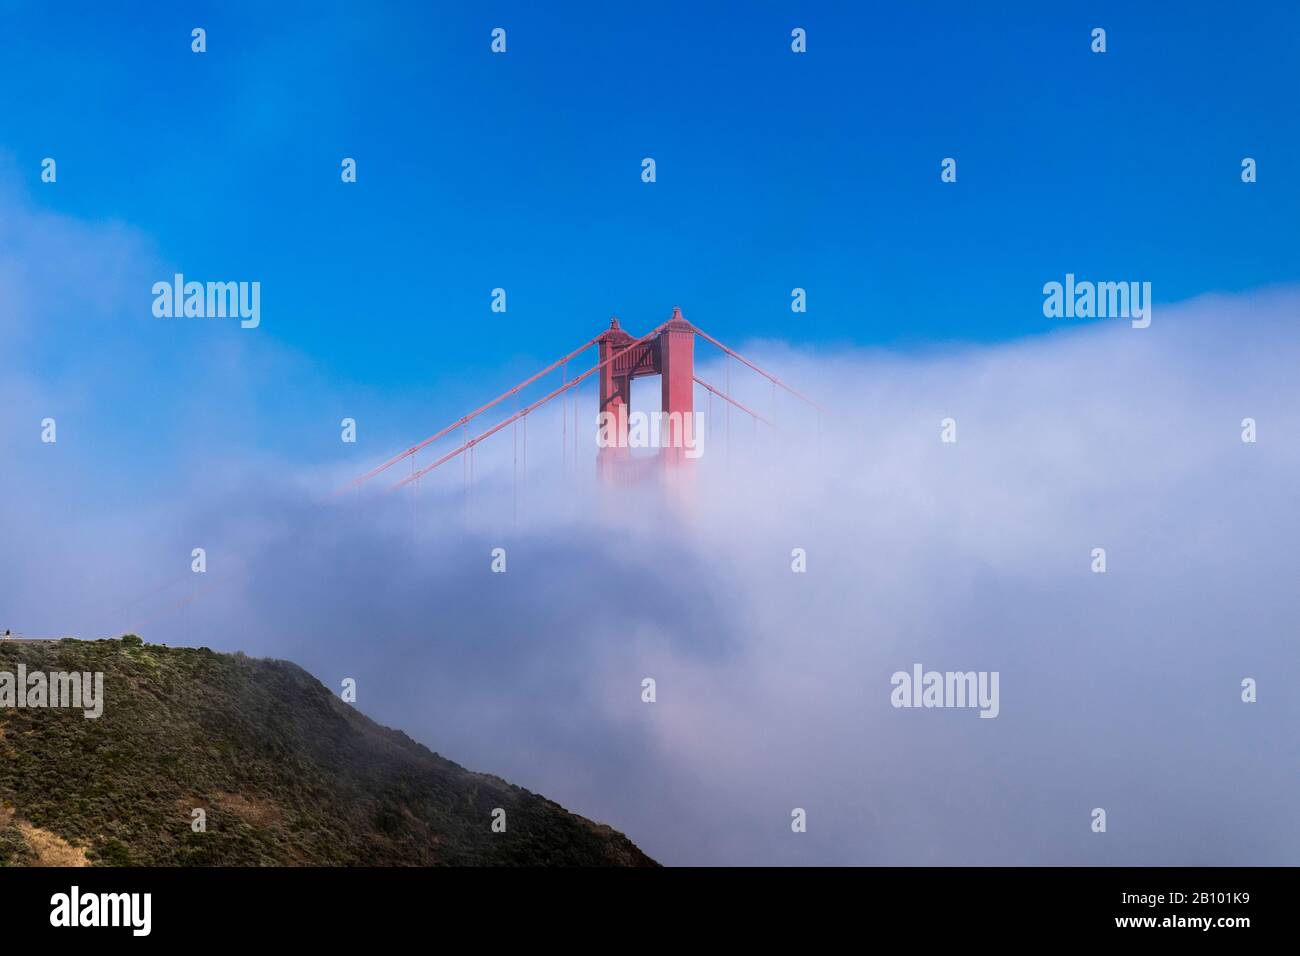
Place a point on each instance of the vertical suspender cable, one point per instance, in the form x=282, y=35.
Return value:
x=727, y=362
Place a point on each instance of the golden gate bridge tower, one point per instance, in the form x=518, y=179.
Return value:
x=670, y=354
x=667, y=351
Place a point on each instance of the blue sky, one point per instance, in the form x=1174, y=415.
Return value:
x=774, y=170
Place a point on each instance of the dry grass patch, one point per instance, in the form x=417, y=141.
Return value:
x=51, y=849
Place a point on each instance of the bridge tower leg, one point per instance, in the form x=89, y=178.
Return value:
x=615, y=398
x=677, y=380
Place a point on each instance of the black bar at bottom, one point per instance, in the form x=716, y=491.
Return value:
x=316, y=905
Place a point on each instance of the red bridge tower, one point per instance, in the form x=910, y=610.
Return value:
x=671, y=356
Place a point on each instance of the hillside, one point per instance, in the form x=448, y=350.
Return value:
x=286, y=772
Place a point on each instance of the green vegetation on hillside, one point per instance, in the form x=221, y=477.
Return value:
x=286, y=773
